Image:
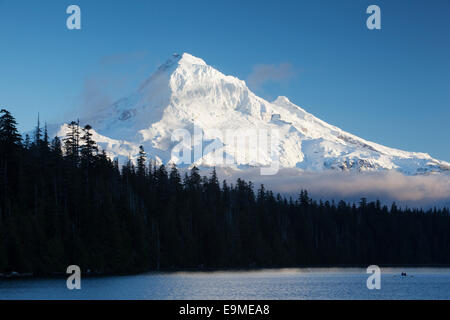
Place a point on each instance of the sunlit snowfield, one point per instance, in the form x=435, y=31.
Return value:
x=329, y=283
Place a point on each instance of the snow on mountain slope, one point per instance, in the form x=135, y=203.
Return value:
x=185, y=93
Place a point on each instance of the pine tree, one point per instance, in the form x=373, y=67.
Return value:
x=46, y=142
x=142, y=159
x=175, y=179
x=10, y=144
x=261, y=194
x=56, y=147
x=38, y=132
x=88, y=147
x=304, y=198
x=27, y=141
x=71, y=142
x=193, y=181
x=9, y=135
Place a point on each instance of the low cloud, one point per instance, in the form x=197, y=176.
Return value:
x=263, y=73
x=95, y=95
x=123, y=58
x=414, y=191
x=109, y=81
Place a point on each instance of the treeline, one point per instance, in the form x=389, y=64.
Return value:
x=78, y=207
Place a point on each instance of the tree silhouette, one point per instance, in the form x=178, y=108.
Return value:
x=71, y=204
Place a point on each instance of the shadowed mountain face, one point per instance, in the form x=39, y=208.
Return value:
x=186, y=93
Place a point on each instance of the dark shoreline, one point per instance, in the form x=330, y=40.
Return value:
x=21, y=276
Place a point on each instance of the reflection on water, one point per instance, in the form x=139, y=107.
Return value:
x=327, y=283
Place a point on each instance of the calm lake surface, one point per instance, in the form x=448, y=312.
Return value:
x=327, y=283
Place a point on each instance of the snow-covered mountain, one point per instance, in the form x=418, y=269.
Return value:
x=185, y=93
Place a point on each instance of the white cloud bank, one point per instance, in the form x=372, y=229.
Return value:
x=263, y=73
x=414, y=191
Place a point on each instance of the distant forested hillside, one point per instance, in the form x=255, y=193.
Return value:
x=77, y=206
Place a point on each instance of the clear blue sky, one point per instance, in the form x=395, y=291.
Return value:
x=391, y=86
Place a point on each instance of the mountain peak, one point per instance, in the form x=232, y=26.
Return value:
x=282, y=100
x=187, y=58
x=184, y=59
x=186, y=93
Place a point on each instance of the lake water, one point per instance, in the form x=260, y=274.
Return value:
x=329, y=283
